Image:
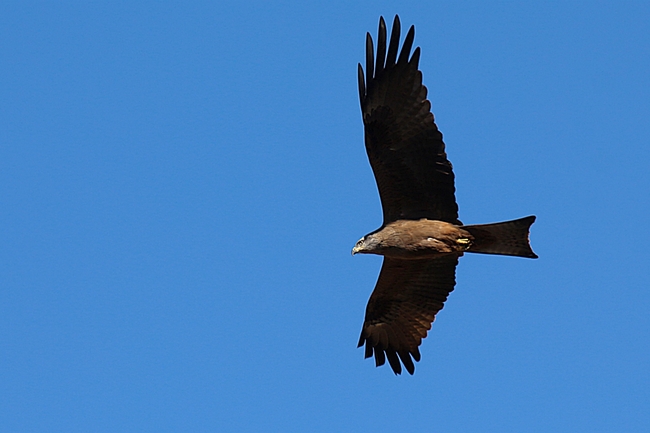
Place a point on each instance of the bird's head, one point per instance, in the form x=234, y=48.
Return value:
x=366, y=245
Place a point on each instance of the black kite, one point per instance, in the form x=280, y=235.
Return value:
x=421, y=238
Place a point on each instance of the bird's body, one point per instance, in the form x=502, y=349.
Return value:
x=421, y=237
x=415, y=239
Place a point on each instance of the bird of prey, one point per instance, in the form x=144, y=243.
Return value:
x=421, y=237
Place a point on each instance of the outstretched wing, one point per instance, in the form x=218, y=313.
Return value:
x=405, y=148
x=406, y=299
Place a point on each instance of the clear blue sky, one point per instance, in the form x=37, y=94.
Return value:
x=181, y=186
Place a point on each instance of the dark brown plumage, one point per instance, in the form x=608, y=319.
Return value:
x=421, y=238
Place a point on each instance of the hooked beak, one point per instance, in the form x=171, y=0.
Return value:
x=355, y=250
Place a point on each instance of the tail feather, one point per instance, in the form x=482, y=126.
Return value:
x=508, y=238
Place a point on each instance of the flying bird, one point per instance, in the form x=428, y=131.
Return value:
x=421, y=237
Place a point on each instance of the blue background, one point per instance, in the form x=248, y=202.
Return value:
x=181, y=185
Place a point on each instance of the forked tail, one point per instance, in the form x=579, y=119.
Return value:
x=509, y=238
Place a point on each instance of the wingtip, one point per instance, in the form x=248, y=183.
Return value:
x=370, y=58
x=393, y=45
x=406, y=46
x=381, y=47
x=362, y=85
x=393, y=360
